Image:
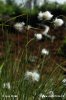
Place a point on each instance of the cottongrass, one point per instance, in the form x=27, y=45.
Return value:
x=48, y=16
x=58, y=22
x=44, y=51
x=45, y=15
x=31, y=86
x=64, y=81
x=38, y=36
x=44, y=96
x=51, y=94
x=19, y=26
x=7, y=85
x=29, y=27
x=41, y=84
x=40, y=15
x=32, y=76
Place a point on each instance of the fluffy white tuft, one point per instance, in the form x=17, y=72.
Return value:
x=47, y=15
x=34, y=76
x=38, y=36
x=7, y=85
x=19, y=26
x=45, y=52
x=58, y=22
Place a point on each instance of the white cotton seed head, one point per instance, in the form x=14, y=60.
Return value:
x=45, y=52
x=33, y=76
x=58, y=22
x=19, y=26
x=29, y=27
x=47, y=28
x=23, y=23
x=36, y=76
x=7, y=85
x=40, y=15
x=51, y=94
x=28, y=75
x=47, y=15
x=64, y=81
x=41, y=96
x=38, y=36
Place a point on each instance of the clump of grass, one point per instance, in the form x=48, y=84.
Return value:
x=13, y=71
x=32, y=90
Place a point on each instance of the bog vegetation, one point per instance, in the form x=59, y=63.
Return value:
x=32, y=52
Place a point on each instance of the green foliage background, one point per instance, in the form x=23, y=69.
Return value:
x=12, y=8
